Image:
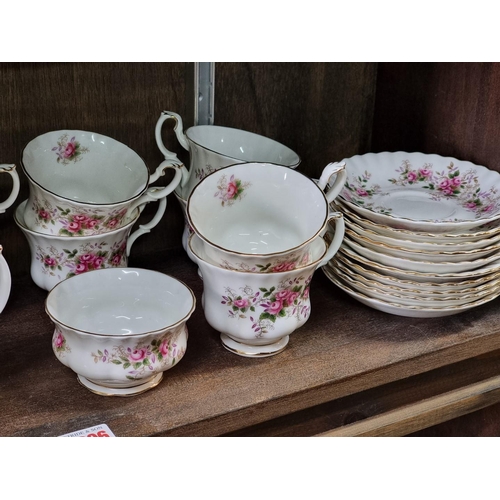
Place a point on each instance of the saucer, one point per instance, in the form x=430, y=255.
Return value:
x=421, y=192
x=254, y=351
x=129, y=391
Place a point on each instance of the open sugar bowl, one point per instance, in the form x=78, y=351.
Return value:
x=119, y=330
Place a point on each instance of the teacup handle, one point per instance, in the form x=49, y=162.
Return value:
x=181, y=137
x=328, y=171
x=146, y=228
x=155, y=193
x=11, y=170
x=338, y=219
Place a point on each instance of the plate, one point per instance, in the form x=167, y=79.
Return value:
x=407, y=311
x=418, y=265
x=404, y=274
x=421, y=192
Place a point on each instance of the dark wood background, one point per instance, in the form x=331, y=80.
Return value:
x=323, y=111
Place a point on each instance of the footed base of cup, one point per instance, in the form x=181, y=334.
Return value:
x=254, y=351
x=126, y=391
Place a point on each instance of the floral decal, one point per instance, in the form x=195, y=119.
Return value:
x=280, y=265
x=68, y=150
x=59, y=343
x=82, y=259
x=143, y=359
x=450, y=183
x=230, y=190
x=201, y=173
x=79, y=222
x=266, y=306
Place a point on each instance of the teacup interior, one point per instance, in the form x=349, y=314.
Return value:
x=85, y=166
x=119, y=301
x=242, y=145
x=257, y=208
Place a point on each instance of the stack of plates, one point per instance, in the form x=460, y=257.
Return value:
x=422, y=234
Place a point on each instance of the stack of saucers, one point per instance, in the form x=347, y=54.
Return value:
x=422, y=234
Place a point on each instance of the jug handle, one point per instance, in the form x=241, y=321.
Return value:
x=181, y=137
x=11, y=170
x=336, y=187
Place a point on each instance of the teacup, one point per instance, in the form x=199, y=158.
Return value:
x=5, y=281
x=211, y=147
x=55, y=258
x=10, y=170
x=120, y=329
x=83, y=183
x=256, y=312
x=261, y=212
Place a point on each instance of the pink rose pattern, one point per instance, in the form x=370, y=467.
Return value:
x=59, y=344
x=82, y=259
x=230, y=191
x=145, y=359
x=78, y=222
x=293, y=261
x=450, y=183
x=68, y=150
x=266, y=306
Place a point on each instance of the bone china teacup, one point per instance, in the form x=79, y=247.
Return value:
x=10, y=170
x=212, y=147
x=83, y=183
x=55, y=258
x=258, y=213
x=5, y=281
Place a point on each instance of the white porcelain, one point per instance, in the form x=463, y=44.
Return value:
x=319, y=250
x=408, y=298
x=211, y=147
x=55, y=258
x=5, y=281
x=256, y=309
x=120, y=329
x=408, y=311
x=14, y=190
x=421, y=192
x=261, y=211
x=387, y=282
x=396, y=249
x=422, y=276
x=473, y=238
x=83, y=183
x=425, y=266
x=188, y=230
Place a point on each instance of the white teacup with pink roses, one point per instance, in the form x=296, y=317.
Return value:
x=83, y=183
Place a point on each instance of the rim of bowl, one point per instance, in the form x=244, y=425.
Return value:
x=115, y=335
x=314, y=263
x=22, y=226
x=244, y=254
x=212, y=127
x=142, y=191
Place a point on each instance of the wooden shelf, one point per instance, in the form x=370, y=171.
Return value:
x=347, y=364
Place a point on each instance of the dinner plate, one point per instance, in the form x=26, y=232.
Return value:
x=421, y=192
x=407, y=311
